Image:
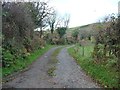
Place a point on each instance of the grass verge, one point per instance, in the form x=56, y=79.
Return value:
x=101, y=73
x=22, y=64
x=53, y=61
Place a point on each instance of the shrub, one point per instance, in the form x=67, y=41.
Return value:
x=7, y=58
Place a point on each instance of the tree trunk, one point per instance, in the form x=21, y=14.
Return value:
x=52, y=31
x=41, y=32
x=83, y=51
x=105, y=50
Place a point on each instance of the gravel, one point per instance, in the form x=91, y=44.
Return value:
x=36, y=76
x=68, y=74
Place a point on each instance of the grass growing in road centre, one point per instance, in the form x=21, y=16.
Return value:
x=52, y=62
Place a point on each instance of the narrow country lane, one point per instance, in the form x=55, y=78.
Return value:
x=67, y=74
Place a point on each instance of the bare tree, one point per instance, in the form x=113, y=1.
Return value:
x=52, y=21
x=66, y=20
x=43, y=12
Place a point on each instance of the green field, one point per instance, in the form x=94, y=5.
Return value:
x=101, y=73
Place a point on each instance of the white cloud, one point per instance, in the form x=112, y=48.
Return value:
x=85, y=11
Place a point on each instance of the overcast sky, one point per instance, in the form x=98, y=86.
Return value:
x=83, y=12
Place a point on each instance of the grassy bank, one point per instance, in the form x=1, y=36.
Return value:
x=22, y=64
x=100, y=72
x=0, y=75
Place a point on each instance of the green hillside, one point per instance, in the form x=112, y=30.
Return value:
x=84, y=27
x=89, y=28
